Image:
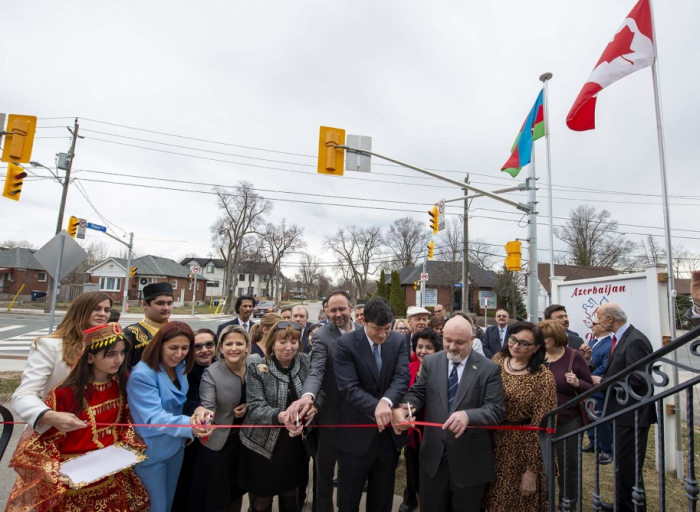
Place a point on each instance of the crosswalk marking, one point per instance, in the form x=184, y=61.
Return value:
x=22, y=342
x=10, y=327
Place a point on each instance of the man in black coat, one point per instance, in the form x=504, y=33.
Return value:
x=371, y=369
x=495, y=335
x=244, y=310
x=557, y=312
x=629, y=345
x=693, y=314
x=300, y=315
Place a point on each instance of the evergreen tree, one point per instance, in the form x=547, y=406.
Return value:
x=397, y=298
x=383, y=288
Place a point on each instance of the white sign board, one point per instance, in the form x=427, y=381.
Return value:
x=356, y=161
x=424, y=276
x=195, y=269
x=488, y=299
x=431, y=297
x=640, y=295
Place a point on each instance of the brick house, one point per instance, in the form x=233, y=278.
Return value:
x=568, y=272
x=110, y=275
x=19, y=267
x=444, y=275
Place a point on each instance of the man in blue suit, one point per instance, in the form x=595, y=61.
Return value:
x=495, y=335
x=371, y=369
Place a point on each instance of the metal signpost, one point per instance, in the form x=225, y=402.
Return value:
x=195, y=270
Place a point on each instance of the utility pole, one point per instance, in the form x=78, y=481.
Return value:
x=465, y=257
x=125, y=299
x=532, y=288
x=62, y=207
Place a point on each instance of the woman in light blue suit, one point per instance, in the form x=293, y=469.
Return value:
x=157, y=394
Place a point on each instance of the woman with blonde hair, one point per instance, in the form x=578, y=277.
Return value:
x=260, y=330
x=50, y=360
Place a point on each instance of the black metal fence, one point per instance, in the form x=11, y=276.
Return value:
x=625, y=388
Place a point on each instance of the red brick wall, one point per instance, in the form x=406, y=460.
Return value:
x=181, y=283
x=28, y=278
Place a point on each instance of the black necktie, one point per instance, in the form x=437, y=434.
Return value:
x=452, y=384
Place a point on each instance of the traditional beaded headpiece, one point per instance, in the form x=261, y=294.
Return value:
x=103, y=335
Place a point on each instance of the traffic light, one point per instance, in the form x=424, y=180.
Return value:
x=415, y=285
x=514, y=260
x=330, y=159
x=13, y=182
x=434, y=219
x=19, y=139
x=73, y=226
x=190, y=278
x=132, y=271
x=431, y=249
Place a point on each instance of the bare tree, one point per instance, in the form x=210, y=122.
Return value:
x=481, y=253
x=593, y=238
x=97, y=251
x=309, y=271
x=355, y=249
x=279, y=240
x=17, y=244
x=243, y=214
x=451, y=245
x=653, y=251
x=406, y=240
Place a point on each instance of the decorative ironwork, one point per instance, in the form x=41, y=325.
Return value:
x=643, y=384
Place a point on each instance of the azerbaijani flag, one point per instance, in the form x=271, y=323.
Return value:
x=533, y=129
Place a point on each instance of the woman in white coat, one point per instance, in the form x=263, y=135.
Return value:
x=50, y=360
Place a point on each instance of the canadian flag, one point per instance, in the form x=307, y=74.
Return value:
x=631, y=49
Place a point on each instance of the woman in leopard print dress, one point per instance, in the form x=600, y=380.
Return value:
x=530, y=393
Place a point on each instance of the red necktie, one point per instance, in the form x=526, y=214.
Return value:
x=614, y=342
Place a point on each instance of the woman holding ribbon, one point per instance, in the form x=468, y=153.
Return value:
x=157, y=393
x=272, y=459
x=94, y=393
x=530, y=393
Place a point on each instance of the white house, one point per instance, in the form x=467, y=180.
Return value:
x=254, y=278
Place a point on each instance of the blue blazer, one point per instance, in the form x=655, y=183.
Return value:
x=600, y=352
x=153, y=398
x=492, y=341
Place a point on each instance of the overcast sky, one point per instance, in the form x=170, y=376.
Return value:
x=443, y=85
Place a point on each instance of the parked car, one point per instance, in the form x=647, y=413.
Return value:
x=264, y=307
x=299, y=297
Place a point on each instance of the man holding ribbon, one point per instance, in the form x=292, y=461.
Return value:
x=458, y=389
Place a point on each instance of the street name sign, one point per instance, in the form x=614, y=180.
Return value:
x=96, y=227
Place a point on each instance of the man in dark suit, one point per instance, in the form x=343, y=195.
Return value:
x=693, y=314
x=300, y=315
x=371, y=369
x=557, y=312
x=457, y=387
x=629, y=345
x=322, y=377
x=244, y=309
x=495, y=335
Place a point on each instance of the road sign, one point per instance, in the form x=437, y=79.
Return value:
x=431, y=297
x=96, y=227
x=488, y=299
x=73, y=255
x=458, y=285
x=424, y=276
x=195, y=269
x=357, y=161
x=441, y=226
x=82, y=223
x=81, y=232
x=441, y=207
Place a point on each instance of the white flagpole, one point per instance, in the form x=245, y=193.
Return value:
x=545, y=77
x=667, y=233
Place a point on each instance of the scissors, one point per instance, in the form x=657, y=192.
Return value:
x=411, y=419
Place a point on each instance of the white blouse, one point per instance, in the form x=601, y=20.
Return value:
x=45, y=369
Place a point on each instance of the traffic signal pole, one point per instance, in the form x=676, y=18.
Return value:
x=127, y=279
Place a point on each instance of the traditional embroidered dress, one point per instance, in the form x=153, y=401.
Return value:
x=38, y=457
x=140, y=335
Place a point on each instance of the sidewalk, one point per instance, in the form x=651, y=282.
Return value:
x=126, y=316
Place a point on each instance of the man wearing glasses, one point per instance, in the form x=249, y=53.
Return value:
x=496, y=336
x=439, y=311
x=371, y=369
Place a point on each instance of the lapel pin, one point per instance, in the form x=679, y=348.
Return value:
x=474, y=366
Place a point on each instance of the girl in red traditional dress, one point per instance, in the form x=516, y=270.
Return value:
x=95, y=391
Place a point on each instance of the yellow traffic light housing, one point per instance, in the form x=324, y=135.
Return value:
x=415, y=285
x=514, y=258
x=132, y=271
x=431, y=249
x=190, y=277
x=331, y=160
x=13, y=182
x=435, y=219
x=19, y=139
x=73, y=223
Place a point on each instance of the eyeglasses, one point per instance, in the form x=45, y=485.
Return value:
x=208, y=345
x=512, y=340
x=403, y=329
x=285, y=324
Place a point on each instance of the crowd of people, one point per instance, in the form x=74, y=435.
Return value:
x=159, y=390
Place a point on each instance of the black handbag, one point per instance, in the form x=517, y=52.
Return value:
x=309, y=436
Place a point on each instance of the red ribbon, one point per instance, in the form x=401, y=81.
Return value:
x=368, y=425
